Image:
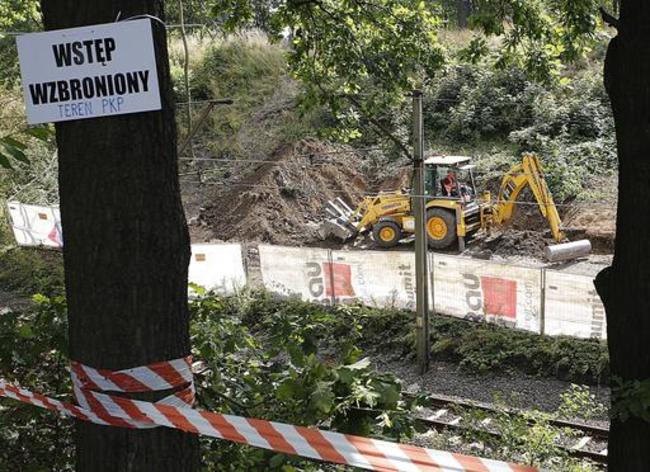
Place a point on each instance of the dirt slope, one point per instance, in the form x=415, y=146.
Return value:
x=596, y=223
x=282, y=202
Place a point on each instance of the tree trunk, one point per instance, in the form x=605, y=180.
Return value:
x=126, y=248
x=624, y=287
x=463, y=10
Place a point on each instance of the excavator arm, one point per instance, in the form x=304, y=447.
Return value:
x=527, y=174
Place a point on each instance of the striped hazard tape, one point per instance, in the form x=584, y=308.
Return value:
x=175, y=411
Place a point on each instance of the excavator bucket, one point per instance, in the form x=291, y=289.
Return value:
x=339, y=225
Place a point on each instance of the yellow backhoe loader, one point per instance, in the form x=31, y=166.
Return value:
x=454, y=209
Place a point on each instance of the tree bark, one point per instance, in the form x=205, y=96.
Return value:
x=463, y=10
x=624, y=287
x=126, y=248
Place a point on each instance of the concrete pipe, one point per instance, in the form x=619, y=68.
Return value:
x=567, y=251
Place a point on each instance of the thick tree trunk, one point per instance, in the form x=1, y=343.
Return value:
x=625, y=286
x=126, y=248
x=463, y=10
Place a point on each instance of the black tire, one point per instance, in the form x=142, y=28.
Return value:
x=387, y=233
x=441, y=232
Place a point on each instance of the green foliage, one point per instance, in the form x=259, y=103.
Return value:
x=630, y=399
x=579, y=402
x=283, y=360
x=254, y=73
x=476, y=347
x=357, y=58
x=34, y=353
x=530, y=437
x=244, y=66
x=486, y=348
x=538, y=35
x=280, y=373
x=570, y=127
x=15, y=16
x=27, y=270
x=13, y=146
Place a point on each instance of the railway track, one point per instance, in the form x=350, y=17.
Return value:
x=585, y=442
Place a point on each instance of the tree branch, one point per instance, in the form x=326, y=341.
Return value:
x=384, y=131
x=608, y=19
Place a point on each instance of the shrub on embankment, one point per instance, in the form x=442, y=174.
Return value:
x=285, y=360
x=476, y=347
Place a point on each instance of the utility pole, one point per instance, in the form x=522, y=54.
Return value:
x=419, y=210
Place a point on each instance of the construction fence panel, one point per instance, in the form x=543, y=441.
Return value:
x=481, y=290
x=36, y=225
x=217, y=267
x=301, y=272
x=572, y=306
x=374, y=278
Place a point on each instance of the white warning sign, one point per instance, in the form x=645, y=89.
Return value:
x=89, y=72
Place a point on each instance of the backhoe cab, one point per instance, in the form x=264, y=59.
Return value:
x=454, y=209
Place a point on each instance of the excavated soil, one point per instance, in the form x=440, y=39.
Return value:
x=595, y=223
x=527, y=233
x=282, y=202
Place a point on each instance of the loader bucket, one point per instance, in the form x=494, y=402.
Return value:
x=339, y=225
x=334, y=229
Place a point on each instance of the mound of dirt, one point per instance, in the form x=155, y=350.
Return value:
x=283, y=202
x=597, y=223
x=400, y=179
x=518, y=243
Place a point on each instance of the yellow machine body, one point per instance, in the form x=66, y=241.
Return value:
x=449, y=219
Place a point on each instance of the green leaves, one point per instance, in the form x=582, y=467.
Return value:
x=13, y=147
x=630, y=398
x=540, y=34
x=286, y=361
x=33, y=352
x=372, y=51
x=43, y=133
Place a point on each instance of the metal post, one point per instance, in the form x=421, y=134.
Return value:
x=419, y=211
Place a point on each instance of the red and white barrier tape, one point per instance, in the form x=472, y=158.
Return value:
x=166, y=375
x=365, y=453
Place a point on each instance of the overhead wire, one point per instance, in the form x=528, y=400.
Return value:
x=378, y=193
x=284, y=163
x=170, y=26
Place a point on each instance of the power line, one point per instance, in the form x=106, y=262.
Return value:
x=271, y=161
x=376, y=194
x=217, y=101
x=171, y=26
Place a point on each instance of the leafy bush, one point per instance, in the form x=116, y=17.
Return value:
x=280, y=373
x=570, y=126
x=33, y=352
x=490, y=348
x=277, y=373
x=476, y=347
x=475, y=103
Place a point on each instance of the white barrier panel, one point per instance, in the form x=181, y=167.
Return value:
x=487, y=291
x=572, y=306
x=302, y=272
x=36, y=225
x=374, y=278
x=217, y=267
